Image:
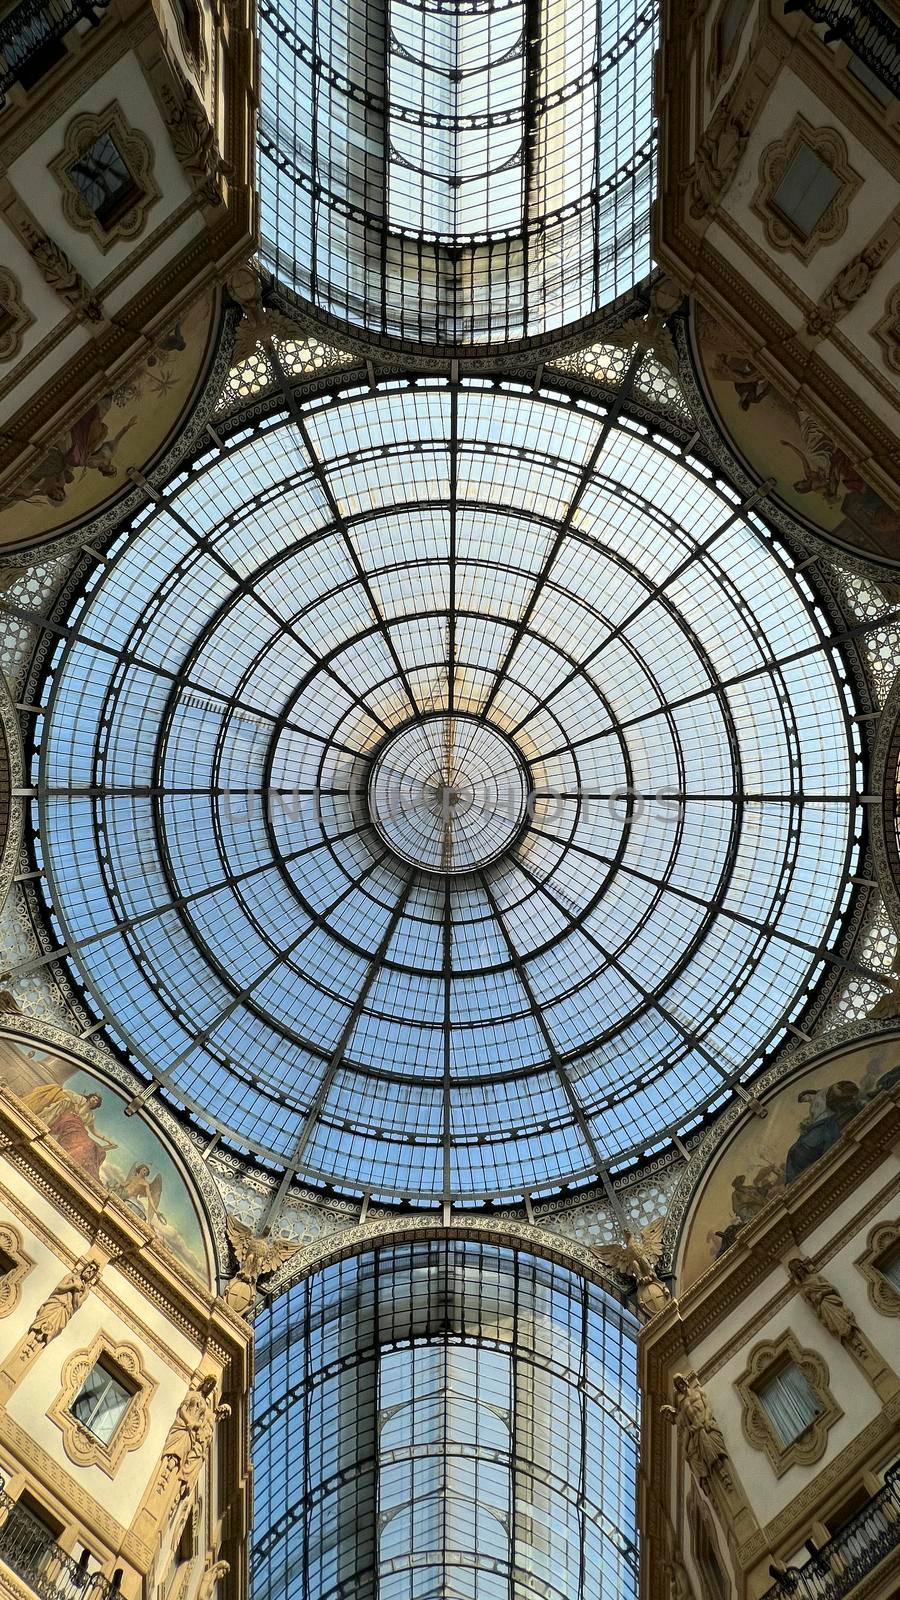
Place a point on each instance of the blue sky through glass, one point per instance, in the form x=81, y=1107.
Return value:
x=521, y=562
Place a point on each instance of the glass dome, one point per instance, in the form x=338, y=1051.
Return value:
x=456, y=172
x=447, y=794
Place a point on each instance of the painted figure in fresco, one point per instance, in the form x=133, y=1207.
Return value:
x=826, y=469
x=843, y=1101
x=142, y=1192
x=747, y=1200
x=70, y=1118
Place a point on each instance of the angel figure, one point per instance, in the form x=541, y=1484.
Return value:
x=142, y=1192
x=257, y=1255
x=638, y=1258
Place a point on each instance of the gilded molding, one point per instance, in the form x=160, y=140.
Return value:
x=82, y=1446
x=810, y=1445
x=137, y=154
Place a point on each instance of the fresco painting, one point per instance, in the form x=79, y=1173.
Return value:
x=804, y=1120
x=126, y=427
x=86, y=1117
x=814, y=479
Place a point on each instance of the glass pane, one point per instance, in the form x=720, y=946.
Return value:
x=806, y=189
x=101, y=1402
x=790, y=1402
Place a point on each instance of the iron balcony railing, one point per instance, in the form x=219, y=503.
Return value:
x=31, y=34
x=855, y=1551
x=29, y=1550
x=872, y=35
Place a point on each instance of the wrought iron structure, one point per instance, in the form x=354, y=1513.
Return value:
x=28, y=1548
x=856, y=1550
x=456, y=172
x=445, y=1417
x=31, y=35
x=664, y=684
x=865, y=26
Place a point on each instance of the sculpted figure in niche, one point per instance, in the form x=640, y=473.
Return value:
x=60, y=1307
x=638, y=1258
x=190, y=1436
x=823, y=1298
x=700, y=1434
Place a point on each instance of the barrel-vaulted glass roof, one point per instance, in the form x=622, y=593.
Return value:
x=456, y=171
x=446, y=790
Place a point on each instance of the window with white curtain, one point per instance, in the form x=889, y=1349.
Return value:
x=789, y=1402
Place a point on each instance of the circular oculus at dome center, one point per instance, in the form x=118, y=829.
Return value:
x=448, y=793
x=450, y=797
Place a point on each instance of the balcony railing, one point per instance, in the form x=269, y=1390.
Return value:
x=31, y=36
x=29, y=1550
x=870, y=32
x=855, y=1551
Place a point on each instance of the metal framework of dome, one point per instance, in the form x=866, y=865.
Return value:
x=456, y=172
x=447, y=790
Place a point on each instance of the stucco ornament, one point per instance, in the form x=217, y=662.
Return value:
x=718, y=155
x=59, y=1308
x=256, y=1255
x=638, y=1259
x=214, y=1571
x=825, y=1301
x=190, y=1436
x=702, y=1438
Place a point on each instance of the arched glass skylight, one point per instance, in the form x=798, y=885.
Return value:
x=447, y=794
x=445, y=1418
x=456, y=171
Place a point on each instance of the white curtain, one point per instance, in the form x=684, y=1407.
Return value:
x=789, y=1402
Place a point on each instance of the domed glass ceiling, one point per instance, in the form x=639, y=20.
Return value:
x=447, y=791
x=456, y=171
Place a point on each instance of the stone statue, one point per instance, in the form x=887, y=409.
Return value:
x=675, y=1571
x=704, y=1445
x=825, y=1301
x=256, y=1255
x=638, y=1259
x=718, y=154
x=190, y=1436
x=213, y=1571
x=258, y=324
x=60, y=1307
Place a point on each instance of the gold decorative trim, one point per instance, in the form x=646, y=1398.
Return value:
x=80, y=1444
x=810, y=1445
x=883, y=1238
x=11, y=1281
x=828, y=144
x=887, y=331
x=14, y=315
x=137, y=154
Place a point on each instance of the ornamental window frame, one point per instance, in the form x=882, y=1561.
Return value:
x=829, y=146
x=883, y=1241
x=128, y=218
x=12, y=1276
x=82, y=1446
x=766, y=1360
x=15, y=317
